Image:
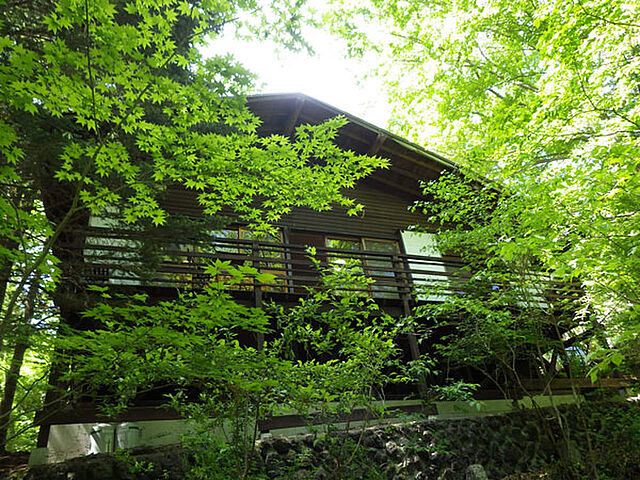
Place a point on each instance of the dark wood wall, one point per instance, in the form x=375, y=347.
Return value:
x=384, y=215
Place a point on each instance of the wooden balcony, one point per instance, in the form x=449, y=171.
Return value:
x=134, y=261
x=125, y=258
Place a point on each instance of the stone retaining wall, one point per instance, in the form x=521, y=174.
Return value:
x=428, y=449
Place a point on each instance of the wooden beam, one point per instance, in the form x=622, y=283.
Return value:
x=88, y=413
x=384, y=147
x=415, y=194
x=421, y=163
x=291, y=122
x=375, y=148
x=318, y=111
x=359, y=414
x=408, y=173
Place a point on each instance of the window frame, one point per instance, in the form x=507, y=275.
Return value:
x=366, y=267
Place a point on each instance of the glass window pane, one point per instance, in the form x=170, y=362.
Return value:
x=343, y=244
x=224, y=234
x=246, y=234
x=382, y=246
x=346, y=264
x=432, y=286
x=266, y=253
x=381, y=268
x=386, y=246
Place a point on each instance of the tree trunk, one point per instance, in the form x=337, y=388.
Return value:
x=5, y=274
x=5, y=267
x=10, y=385
x=13, y=374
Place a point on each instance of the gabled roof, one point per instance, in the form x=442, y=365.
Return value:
x=409, y=162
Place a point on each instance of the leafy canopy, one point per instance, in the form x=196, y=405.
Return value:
x=105, y=104
x=142, y=108
x=540, y=98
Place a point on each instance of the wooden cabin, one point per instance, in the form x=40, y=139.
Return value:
x=379, y=240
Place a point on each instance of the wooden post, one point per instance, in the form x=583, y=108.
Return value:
x=404, y=290
x=286, y=255
x=257, y=289
x=405, y=297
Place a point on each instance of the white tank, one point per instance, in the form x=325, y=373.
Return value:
x=102, y=438
x=127, y=435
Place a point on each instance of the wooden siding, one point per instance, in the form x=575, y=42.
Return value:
x=385, y=214
x=386, y=193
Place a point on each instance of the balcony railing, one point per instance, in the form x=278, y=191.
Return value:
x=116, y=257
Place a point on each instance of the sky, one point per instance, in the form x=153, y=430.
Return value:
x=326, y=76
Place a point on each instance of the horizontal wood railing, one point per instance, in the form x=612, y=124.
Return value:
x=120, y=257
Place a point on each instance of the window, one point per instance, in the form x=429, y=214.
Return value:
x=267, y=258
x=428, y=273
x=110, y=258
x=379, y=268
x=345, y=259
x=219, y=245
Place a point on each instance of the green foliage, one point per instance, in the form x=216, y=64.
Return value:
x=30, y=394
x=457, y=390
x=108, y=103
x=322, y=358
x=343, y=457
x=348, y=459
x=218, y=451
x=141, y=108
x=615, y=432
x=132, y=464
x=188, y=341
x=540, y=98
